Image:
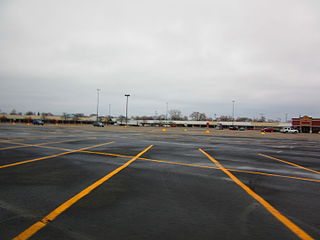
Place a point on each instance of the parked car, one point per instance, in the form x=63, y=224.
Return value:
x=98, y=124
x=242, y=129
x=289, y=130
x=37, y=122
x=233, y=128
x=267, y=130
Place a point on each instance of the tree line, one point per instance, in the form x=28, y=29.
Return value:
x=173, y=114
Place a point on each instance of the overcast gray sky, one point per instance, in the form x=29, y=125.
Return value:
x=195, y=55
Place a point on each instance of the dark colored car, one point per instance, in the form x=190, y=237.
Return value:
x=37, y=122
x=267, y=130
x=233, y=128
x=98, y=124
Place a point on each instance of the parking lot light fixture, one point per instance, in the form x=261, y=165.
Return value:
x=233, y=101
x=98, y=91
x=127, y=95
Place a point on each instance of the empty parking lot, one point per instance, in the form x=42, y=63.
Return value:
x=126, y=183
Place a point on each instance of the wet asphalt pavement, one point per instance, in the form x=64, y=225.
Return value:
x=173, y=192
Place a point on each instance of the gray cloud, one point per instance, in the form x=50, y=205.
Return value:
x=196, y=55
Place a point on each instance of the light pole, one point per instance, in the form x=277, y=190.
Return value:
x=127, y=95
x=233, y=101
x=98, y=91
x=167, y=112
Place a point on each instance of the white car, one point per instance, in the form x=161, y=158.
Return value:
x=289, y=130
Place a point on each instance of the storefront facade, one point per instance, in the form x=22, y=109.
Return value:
x=306, y=124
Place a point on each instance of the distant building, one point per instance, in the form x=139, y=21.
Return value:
x=306, y=124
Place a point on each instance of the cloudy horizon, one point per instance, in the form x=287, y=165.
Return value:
x=195, y=55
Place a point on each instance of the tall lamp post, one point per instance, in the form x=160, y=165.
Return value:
x=233, y=101
x=166, y=111
x=98, y=91
x=127, y=95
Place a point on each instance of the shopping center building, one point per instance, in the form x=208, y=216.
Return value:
x=306, y=124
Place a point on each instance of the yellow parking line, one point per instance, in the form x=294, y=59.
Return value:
x=290, y=163
x=14, y=147
x=52, y=156
x=187, y=164
x=233, y=170
x=24, y=145
x=49, y=147
x=6, y=141
x=201, y=166
x=23, y=139
x=283, y=219
x=63, y=207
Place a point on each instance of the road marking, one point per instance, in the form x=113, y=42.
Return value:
x=24, y=145
x=52, y=156
x=187, y=164
x=232, y=170
x=179, y=163
x=23, y=139
x=63, y=207
x=290, y=163
x=201, y=166
x=287, y=222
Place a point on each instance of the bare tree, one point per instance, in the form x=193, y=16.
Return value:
x=121, y=118
x=244, y=119
x=143, y=118
x=13, y=112
x=29, y=113
x=261, y=119
x=46, y=114
x=159, y=117
x=175, y=114
x=77, y=116
x=197, y=116
x=225, y=118
x=65, y=116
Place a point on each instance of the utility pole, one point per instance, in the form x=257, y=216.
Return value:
x=127, y=95
x=233, y=112
x=110, y=110
x=98, y=91
x=166, y=111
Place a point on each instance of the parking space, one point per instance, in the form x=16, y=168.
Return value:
x=171, y=191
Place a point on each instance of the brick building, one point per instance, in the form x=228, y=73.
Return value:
x=306, y=124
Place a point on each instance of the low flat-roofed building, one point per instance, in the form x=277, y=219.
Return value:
x=306, y=124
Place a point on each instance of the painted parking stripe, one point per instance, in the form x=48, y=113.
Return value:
x=283, y=219
x=24, y=145
x=63, y=207
x=187, y=164
x=52, y=156
x=290, y=163
x=201, y=166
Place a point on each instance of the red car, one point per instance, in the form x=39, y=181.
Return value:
x=267, y=130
